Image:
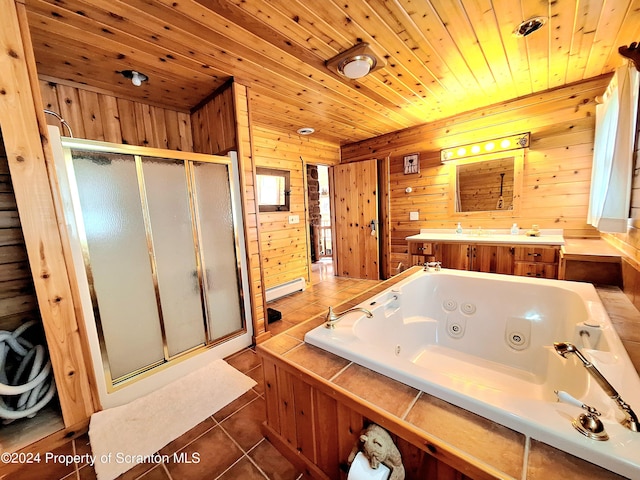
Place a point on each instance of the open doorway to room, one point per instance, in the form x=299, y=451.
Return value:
x=320, y=218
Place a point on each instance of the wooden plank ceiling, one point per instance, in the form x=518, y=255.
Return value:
x=443, y=56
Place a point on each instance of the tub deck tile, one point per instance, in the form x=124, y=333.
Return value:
x=316, y=360
x=488, y=441
x=384, y=392
x=548, y=463
x=299, y=330
x=281, y=344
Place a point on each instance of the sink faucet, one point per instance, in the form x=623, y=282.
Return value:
x=631, y=419
x=333, y=318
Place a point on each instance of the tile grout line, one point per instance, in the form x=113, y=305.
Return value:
x=244, y=453
x=332, y=379
x=236, y=411
x=264, y=439
x=411, y=405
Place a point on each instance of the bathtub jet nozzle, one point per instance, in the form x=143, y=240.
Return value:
x=631, y=419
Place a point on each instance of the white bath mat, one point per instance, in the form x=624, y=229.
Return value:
x=121, y=435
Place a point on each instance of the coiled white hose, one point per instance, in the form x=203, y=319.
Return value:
x=39, y=387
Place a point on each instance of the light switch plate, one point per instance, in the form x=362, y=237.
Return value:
x=414, y=215
x=294, y=218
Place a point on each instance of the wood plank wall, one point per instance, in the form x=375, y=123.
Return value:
x=18, y=302
x=98, y=116
x=557, y=170
x=214, y=122
x=285, y=253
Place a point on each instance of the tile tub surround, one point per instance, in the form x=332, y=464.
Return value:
x=497, y=452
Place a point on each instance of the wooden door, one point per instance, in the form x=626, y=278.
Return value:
x=356, y=206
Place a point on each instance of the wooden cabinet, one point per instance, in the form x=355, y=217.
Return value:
x=493, y=259
x=455, y=255
x=539, y=261
x=421, y=252
x=464, y=256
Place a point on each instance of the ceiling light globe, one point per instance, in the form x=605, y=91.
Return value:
x=357, y=67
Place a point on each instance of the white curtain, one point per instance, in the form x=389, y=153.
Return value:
x=612, y=172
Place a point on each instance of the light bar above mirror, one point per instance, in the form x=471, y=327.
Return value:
x=497, y=145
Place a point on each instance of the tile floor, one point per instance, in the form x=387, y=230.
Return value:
x=229, y=443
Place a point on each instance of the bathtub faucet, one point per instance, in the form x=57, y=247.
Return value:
x=428, y=265
x=333, y=318
x=631, y=419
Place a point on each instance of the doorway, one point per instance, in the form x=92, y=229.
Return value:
x=320, y=224
x=361, y=225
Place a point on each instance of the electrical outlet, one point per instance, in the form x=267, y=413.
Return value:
x=414, y=215
x=294, y=218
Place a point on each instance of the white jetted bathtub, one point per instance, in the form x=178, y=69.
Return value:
x=484, y=342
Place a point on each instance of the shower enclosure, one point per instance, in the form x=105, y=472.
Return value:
x=159, y=254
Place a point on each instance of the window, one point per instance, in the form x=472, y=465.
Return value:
x=273, y=189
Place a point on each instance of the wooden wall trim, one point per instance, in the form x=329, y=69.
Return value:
x=23, y=123
x=244, y=135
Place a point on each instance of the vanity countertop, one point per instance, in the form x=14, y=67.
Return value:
x=547, y=237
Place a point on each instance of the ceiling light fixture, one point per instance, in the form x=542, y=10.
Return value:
x=356, y=62
x=529, y=26
x=136, y=77
x=306, y=131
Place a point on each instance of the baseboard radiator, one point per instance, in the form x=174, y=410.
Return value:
x=278, y=291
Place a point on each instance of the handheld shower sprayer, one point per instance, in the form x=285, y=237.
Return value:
x=631, y=420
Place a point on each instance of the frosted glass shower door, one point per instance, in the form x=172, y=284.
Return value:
x=218, y=249
x=115, y=245
x=158, y=241
x=167, y=193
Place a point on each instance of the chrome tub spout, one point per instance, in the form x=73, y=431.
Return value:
x=333, y=318
x=631, y=419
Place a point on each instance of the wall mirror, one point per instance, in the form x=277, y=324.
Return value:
x=273, y=189
x=491, y=183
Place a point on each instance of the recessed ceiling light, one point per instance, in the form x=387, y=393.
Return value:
x=529, y=26
x=306, y=131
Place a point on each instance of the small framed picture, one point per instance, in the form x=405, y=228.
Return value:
x=412, y=163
